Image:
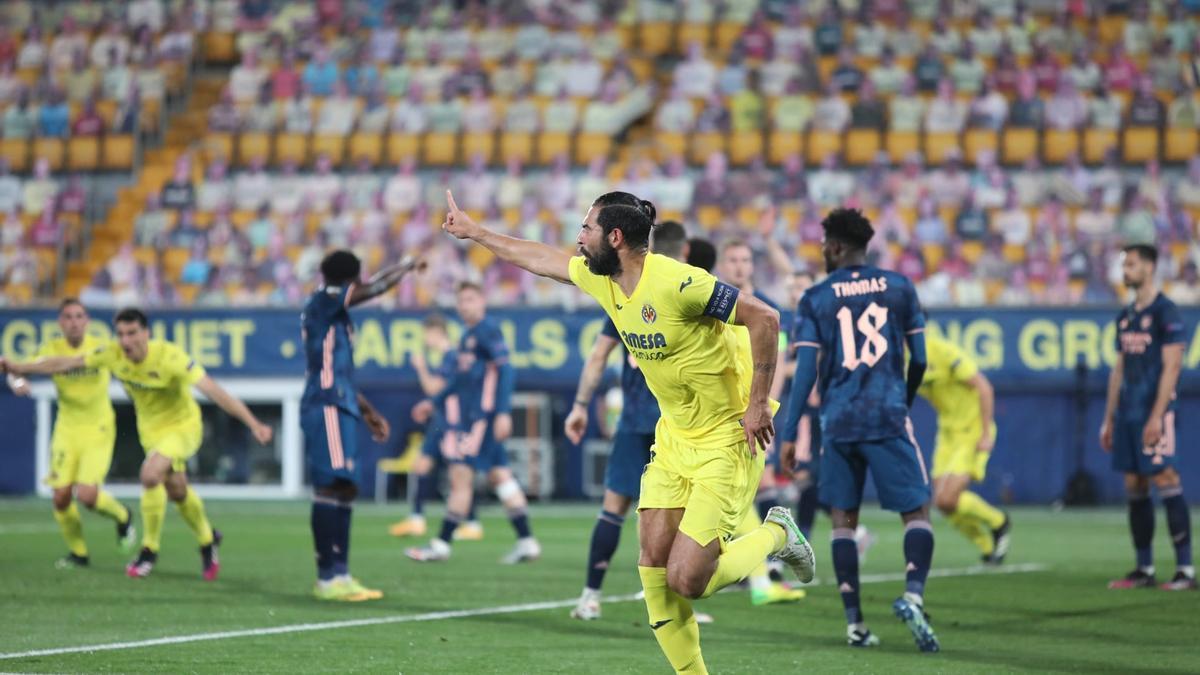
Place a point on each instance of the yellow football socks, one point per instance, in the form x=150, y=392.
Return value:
x=972, y=504
x=744, y=554
x=192, y=510
x=72, y=529
x=974, y=530
x=672, y=622
x=154, y=510
x=107, y=505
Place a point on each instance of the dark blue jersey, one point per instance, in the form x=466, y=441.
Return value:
x=445, y=371
x=859, y=318
x=328, y=334
x=639, y=412
x=483, y=378
x=1141, y=336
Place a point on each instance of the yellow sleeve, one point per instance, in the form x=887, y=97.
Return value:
x=581, y=276
x=948, y=358
x=698, y=293
x=103, y=356
x=43, y=350
x=177, y=363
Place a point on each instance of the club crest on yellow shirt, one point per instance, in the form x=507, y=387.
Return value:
x=648, y=313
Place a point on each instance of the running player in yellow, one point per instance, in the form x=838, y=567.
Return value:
x=81, y=448
x=715, y=410
x=159, y=377
x=963, y=399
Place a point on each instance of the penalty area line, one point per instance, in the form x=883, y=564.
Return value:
x=976, y=570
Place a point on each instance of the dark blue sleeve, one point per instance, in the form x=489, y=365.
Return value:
x=610, y=330
x=802, y=383
x=1172, y=324
x=495, y=351
x=327, y=303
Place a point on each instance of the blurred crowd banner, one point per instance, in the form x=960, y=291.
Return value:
x=1038, y=348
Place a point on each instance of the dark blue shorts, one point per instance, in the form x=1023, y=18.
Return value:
x=482, y=455
x=896, y=465
x=629, y=456
x=330, y=444
x=1130, y=454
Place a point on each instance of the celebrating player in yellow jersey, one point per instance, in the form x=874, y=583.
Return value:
x=159, y=377
x=963, y=399
x=716, y=413
x=81, y=447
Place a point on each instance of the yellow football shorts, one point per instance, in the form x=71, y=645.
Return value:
x=80, y=454
x=956, y=453
x=714, y=486
x=178, y=443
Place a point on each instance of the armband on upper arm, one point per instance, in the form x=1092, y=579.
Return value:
x=722, y=301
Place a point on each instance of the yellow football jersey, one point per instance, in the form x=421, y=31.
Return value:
x=160, y=386
x=675, y=326
x=82, y=393
x=945, y=385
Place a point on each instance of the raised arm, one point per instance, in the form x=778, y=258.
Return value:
x=763, y=324
x=234, y=408
x=383, y=280
x=49, y=365
x=589, y=379
x=541, y=259
x=775, y=253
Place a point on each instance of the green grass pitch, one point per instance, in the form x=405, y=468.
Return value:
x=1059, y=618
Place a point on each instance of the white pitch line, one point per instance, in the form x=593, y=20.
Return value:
x=977, y=570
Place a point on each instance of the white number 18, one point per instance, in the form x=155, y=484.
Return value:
x=869, y=323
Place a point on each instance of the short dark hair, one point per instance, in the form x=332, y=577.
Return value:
x=668, y=238
x=132, y=315
x=702, y=254
x=434, y=320
x=67, y=302
x=631, y=221
x=848, y=226
x=1145, y=252
x=468, y=285
x=341, y=267
x=634, y=221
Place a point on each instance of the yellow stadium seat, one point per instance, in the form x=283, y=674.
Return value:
x=107, y=110
x=518, y=145
x=219, y=47
x=861, y=146
x=901, y=143
x=173, y=261
x=217, y=144
x=366, y=146
x=1180, y=144
x=18, y=294
x=709, y=217
x=1014, y=254
x=1058, y=144
x=291, y=148
x=703, y=144
x=480, y=257
x=821, y=143
x=937, y=145
x=83, y=153
x=402, y=146
x=590, y=146
x=16, y=151
x=118, y=152
x=976, y=141
x=654, y=38
x=687, y=33
x=727, y=34
x=334, y=146
x=668, y=144
x=441, y=149
x=972, y=251
x=1019, y=145
x=479, y=144
x=188, y=293
x=253, y=145
x=145, y=255
x=150, y=117
x=744, y=146
x=1139, y=144
x=1096, y=142
x=551, y=144
x=783, y=144
x=53, y=150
